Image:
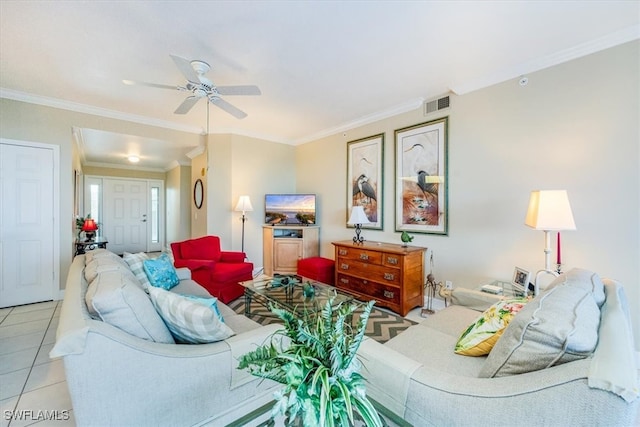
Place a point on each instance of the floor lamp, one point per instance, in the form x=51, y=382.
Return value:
x=244, y=205
x=549, y=211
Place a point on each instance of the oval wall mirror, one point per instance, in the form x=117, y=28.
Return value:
x=198, y=193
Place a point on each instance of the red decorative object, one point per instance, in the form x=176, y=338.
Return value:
x=216, y=270
x=559, y=258
x=89, y=227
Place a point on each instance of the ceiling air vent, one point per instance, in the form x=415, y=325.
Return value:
x=436, y=105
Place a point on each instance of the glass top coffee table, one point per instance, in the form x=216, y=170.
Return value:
x=288, y=292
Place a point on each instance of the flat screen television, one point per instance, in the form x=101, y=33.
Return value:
x=290, y=209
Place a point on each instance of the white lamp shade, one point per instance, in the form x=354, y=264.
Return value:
x=358, y=216
x=549, y=210
x=244, y=204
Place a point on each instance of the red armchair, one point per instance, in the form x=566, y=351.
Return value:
x=216, y=270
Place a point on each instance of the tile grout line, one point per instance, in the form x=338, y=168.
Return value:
x=24, y=386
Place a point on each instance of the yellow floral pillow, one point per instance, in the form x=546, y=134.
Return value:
x=479, y=338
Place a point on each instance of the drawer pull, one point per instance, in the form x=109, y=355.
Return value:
x=389, y=276
x=364, y=257
x=344, y=266
x=389, y=294
x=342, y=251
x=392, y=260
x=344, y=281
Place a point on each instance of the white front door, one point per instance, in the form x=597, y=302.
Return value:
x=27, y=256
x=125, y=215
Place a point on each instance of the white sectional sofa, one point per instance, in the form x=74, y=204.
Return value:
x=419, y=377
x=118, y=379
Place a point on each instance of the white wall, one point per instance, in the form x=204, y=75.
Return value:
x=37, y=123
x=259, y=167
x=574, y=126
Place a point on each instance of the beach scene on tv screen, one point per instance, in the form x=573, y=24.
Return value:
x=290, y=209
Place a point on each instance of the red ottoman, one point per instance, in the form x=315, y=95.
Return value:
x=317, y=268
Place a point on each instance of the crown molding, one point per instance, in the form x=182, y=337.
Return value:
x=610, y=40
x=195, y=152
x=120, y=166
x=96, y=111
x=407, y=106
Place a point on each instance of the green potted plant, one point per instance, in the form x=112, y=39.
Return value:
x=318, y=367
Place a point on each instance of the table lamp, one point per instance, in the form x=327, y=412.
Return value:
x=244, y=205
x=89, y=227
x=549, y=210
x=357, y=218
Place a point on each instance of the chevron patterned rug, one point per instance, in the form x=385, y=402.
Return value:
x=382, y=326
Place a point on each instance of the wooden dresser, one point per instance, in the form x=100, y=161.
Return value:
x=390, y=274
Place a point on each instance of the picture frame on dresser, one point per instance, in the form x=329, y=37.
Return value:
x=365, y=178
x=422, y=199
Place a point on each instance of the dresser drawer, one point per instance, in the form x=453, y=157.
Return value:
x=359, y=254
x=378, y=291
x=373, y=272
x=392, y=260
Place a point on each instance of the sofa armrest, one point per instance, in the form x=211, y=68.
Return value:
x=232, y=256
x=470, y=298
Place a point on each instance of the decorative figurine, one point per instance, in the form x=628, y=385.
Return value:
x=406, y=238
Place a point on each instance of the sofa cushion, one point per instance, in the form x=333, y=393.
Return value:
x=161, y=272
x=97, y=265
x=207, y=247
x=101, y=253
x=190, y=287
x=189, y=321
x=583, y=279
x=136, y=264
x=480, y=337
x=558, y=326
x=116, y=299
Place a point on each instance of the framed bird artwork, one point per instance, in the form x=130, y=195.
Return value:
x=421, y=178
x=365, y=178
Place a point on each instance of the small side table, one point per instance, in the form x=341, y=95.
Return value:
x=82, y=246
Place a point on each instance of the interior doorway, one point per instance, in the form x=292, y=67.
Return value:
x=29, y=224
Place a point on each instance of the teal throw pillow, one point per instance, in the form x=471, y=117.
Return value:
x=161, y=272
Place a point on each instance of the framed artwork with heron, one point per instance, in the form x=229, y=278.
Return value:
x=421, y=178
x=365, y=178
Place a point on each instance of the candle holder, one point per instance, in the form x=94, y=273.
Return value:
x=559, y=268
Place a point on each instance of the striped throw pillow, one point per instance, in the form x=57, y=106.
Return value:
x=189, y=321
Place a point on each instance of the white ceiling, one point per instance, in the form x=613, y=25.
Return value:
x=323, y=67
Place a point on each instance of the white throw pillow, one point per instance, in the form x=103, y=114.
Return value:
x=188, y=320
x=558, y=326
x=115, y=298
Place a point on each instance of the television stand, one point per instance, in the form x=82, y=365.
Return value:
x=283, y=245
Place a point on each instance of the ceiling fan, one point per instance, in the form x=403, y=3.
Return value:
x=201, y=87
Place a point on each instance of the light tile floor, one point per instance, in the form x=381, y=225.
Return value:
x=33, y=389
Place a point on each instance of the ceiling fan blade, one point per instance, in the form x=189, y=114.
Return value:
x=161, y=86
x=184, y=65
x=234, y=111
x=186, y=105
x=239, y=90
